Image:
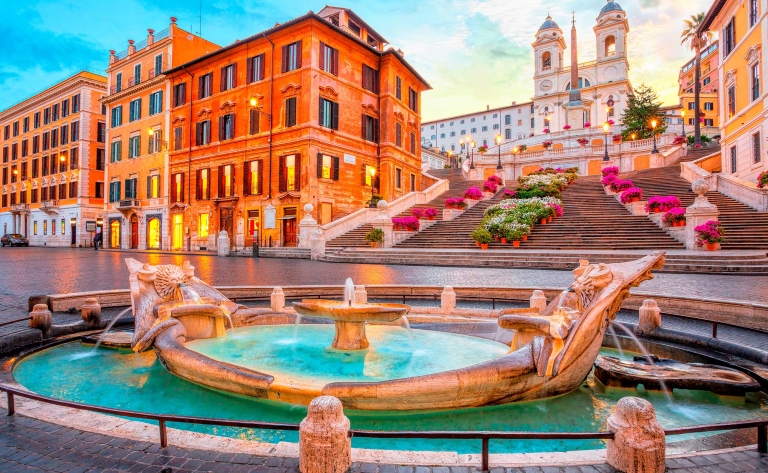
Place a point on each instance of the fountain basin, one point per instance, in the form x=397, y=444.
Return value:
x=350, y=320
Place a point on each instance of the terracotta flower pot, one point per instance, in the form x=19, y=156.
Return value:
x=543, y=221
x=496, y=238
x=516, y=243
x=657, y=210
x=525, y=237
x=483, y=246
x=710, y=246
x=679, y=223
x=503, y=241
x=477, y=243
x=374, y=244
x=431, y=218
x=549, y=219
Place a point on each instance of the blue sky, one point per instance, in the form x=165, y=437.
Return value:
x=473, y=52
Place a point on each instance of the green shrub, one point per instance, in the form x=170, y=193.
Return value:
x=375, y=235
x=481, y=235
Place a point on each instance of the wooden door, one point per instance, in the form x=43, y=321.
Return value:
x=225, y=223
x=134, y=232
x=289, y=232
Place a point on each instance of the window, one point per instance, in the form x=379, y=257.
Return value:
x=25, y=125
x=44, y=168
x=290, y=173
x=546, y=61
x=463, y=132
x=74, y=157
x=398, y=88
x=64, y=108
x=731, y=101
x=291, y=57
x=610, y=46
x=398, y=178
x=118, y=82
x=228, y=77
x=413, y=182
x=729, y=38
x=37, y=120
x=203, y=226
x=5, y=176
x=101, y=132
x=76, y=103
x=756, y=147
x=205, y=86
x=370, y=128
x=472, y=120
x=399, y=135
x=290, y=112
x=55, y=112
x=24, y=148
x=413, y=100
x=156, y=102
x=253, y=124
x=155, y=142
x=752, y=13
x=709, y=122
x=179, y=94
x=34, y=225
x=203, y=183
x=54, y=141
x=507, y=134
x=136, y=74
x=14, y=174
x=327, y=167
x=733, y=159
x=370, y=79
x=64, y=134
x=519, y=123
x=76, y=131
x=99, y=190
x=474, y=130
x=533, y=122
x=158, y=64
x=114, y=191
x=35, y=166
x=355, y=28
x=329, y=59
x=442, y=125
x=202, y=133
x=253, y=177
x=227, y=127
x=755, y=78
x=461, y=122
x=178, y=134
x=114, y=151
x=413, y=143
x=709, y=106
x=15, y=129
x=691, y=105
x=485, y=128
x=177, y=188
x=453, y=133
x=134, y=146
x=255, y=69
x=117, y=116
x=100, y=154
x=43, y=194
x=707, y=80
x=508, y=119
x=134, y=110
x=45, y=227
x=46, y=120
x=5, y=154
x=442, y=135
x=329, y=114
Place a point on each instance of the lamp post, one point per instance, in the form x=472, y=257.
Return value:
x=653, y=125
x=682, y=114
x=472, y=159
x=515, y=150
x=461, y=144
x=373, y=174
x=606, y=130
x=498, y=143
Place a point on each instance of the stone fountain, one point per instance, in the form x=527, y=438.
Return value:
x=553, y=351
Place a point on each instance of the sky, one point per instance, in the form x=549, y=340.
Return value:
x=473, y=53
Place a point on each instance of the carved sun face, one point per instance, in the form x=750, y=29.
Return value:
x=168, y=279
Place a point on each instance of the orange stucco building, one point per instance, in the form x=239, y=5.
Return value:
x=53, y=161
x=314, y=110
x=138, y=105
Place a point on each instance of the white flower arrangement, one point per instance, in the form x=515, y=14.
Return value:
x=543, y=179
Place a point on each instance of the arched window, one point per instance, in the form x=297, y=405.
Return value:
x=610, y=46
x=453, y=147
x=508, y=134
x=485, y=143
x=546, y=61
x=582, y=83
x=442, y=149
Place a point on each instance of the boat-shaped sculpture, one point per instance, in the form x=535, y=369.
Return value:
x=551, y=354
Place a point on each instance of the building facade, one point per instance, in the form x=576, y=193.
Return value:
x=709, y=96
x=742, y=27
x=53, y=163
x=138, y=110
x=313, y=111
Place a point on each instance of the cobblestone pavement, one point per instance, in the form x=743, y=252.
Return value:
x=28, y=445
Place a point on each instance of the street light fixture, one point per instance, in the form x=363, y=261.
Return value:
x=653, y=125
x=515, y=150
x=373, y=174
x=472, y=161
x=498, y=143
x=682, y=114
x=606, y=130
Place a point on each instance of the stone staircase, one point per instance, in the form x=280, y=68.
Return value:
x=697, y=153
x=356, y=238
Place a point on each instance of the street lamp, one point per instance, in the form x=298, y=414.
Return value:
x=472, y=161
x=515, y=150
x=682, y=114
x=498, y=143
x=606, y=130
x=653, y=125
x=373, y=173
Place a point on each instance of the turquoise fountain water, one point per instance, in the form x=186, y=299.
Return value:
x=139, y=382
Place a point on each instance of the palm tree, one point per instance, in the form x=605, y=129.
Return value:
x=697, y=41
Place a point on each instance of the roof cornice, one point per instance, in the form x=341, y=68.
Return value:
x=62, y=88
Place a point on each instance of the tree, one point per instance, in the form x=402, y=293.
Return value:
x=642, y=109
x=697, y=40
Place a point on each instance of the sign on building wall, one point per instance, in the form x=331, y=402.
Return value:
x=90, y=226
x=349, y=159
x=270, y=216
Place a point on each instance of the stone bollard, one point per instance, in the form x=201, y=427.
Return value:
x=324, y=443
x=91, y=312
x=41, y=319
x=224, y=243
x=448, y=300
x=650, y=317
x=277, y=299
x=538, y=301
x=639, y=445
x=361, y=295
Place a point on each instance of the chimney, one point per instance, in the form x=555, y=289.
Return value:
x=131, y=47
x=173, y=20
x=150, y=36
x=112, y=57
x=487, y=108
x=400, y=52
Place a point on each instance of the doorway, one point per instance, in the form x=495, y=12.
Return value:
x=153, y=234
x=289, y=227
x=253, y=226
x=134, y=232
x=178, y=231
x=225, y=222
x=326, y=213
x=73, y=233
x=114, y=234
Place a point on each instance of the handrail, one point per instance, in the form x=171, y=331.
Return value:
x=484, y=436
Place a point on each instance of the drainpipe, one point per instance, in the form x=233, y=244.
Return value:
x=271, y=106
x=378, y=142
x=189, y=154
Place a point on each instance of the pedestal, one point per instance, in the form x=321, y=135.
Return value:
x=317, y=243
x=450, y=214
x=386, y=225
x=277, y=299
x=324, y=442
x=639, y=444
x=41, y=319
x=500, y=174
x=650, y=317
x=448, y=300
x=350, y=336
x=361, y=295
x=223, y=243
x=700, y=212
x=91, y=312
x=307, y=227
x=538, y=301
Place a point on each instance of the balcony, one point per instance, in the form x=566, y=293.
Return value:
x=20, y=208
x=50, y=206
x=128, y=205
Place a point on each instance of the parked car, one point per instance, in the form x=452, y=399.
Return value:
x=14, y=239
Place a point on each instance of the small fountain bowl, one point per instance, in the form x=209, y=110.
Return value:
x=338, y=310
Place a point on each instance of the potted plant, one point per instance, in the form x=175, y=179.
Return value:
x=762, y=180
x=609, y=180
x=495, y=179
x=620, y=185
x=675, y=217
x=616, y=138
x=405, y=224
x=567, y=127
x=430, y=213
x=375, y=237
x=582, y=141
x=417, y=212
x=709, y=234
x=610, y=170
x=587, y=124
x=546, y=130
x=375, y=198
x=679, y=140
x=557, y=208
x=482, y=236
x=456, y=203
x=490, y=186
x=509, y=194
x=631, y=195
x=523, y=148
x=473, y=193
x=547, y=144
x=611, y=122
x=658, y=204
x=482, y=149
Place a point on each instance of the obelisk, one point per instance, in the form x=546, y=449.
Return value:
x=575, y=107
